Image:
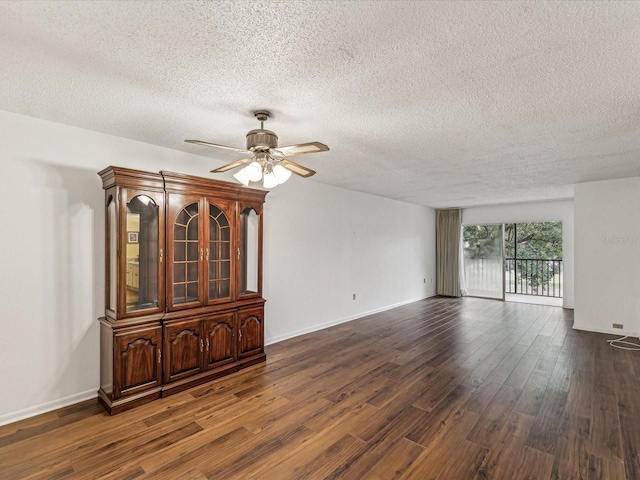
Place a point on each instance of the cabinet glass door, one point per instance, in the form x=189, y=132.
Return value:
x=142, y=253
x=249, y=252
x=186, y=255
x=112, y=255
x=219, y=255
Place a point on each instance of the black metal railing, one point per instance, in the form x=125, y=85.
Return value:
x=534, y=276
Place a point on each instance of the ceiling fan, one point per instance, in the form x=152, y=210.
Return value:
x=268, y=162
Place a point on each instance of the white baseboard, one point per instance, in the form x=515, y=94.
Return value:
x=48, y=406
x=620, y=333
x=322, y=326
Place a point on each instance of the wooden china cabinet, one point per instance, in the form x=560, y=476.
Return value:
x=183, y=284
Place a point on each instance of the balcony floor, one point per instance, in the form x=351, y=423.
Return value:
x=533, y=299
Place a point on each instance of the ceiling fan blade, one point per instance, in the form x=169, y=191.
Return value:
x=230, y=166
x=297, y=169
x=209, y=144
x=302, y=148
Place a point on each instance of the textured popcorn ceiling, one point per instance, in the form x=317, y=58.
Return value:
x=441, y=104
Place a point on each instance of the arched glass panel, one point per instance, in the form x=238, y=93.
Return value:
x=219, y=254
x=142, y=253
x=249, y=224
x=185, y=255
x=112, y=257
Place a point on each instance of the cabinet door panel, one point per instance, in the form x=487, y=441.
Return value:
x=220, y=342
x=183, y=349
x=249, y=240
x=143, y=246
x=185, y=251
x=220, y=250
x=137, y=360
x=250, y=332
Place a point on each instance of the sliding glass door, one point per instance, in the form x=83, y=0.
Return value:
x=483, y=247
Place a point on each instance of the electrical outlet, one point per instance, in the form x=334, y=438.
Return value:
x=354, y=296
x=618, y=325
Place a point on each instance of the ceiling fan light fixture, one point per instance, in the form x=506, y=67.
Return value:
x=254, y=171
x=282, y=174
x=242, y=176
x=269, y=180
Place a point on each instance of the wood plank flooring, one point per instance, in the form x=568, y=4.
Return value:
x=438, y=389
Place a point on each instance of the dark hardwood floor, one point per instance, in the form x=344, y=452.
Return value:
x=438, y=389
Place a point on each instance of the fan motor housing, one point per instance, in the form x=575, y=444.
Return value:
x=261, y=139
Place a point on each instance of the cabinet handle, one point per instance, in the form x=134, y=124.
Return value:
x=207, y=344
x=240, y=332
x=238, y=253
x=201, y=254
x=159, y=355
x=207, y=254
x=201, y=346
x=160, y=255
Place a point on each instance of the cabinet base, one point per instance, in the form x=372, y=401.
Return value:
x=126, y=403
x=209, y=375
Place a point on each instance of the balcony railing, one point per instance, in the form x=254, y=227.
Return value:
x=534, y=276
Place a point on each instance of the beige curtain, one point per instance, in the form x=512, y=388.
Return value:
x=448, y=228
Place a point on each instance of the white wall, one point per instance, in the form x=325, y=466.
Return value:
x=554, y=211
x=322, y=244
x=607, y=230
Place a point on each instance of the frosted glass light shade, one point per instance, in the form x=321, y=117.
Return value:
x=262, y=170
x=242, y=176
x=254, y=172
x=282, y=174
x=270, y=180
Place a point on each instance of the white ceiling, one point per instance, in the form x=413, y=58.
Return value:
x=436, y=103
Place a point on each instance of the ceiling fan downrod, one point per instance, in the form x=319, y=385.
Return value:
x=262, y=116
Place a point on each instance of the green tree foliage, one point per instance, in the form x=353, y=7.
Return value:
x=481, y=241
x=534, y=240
